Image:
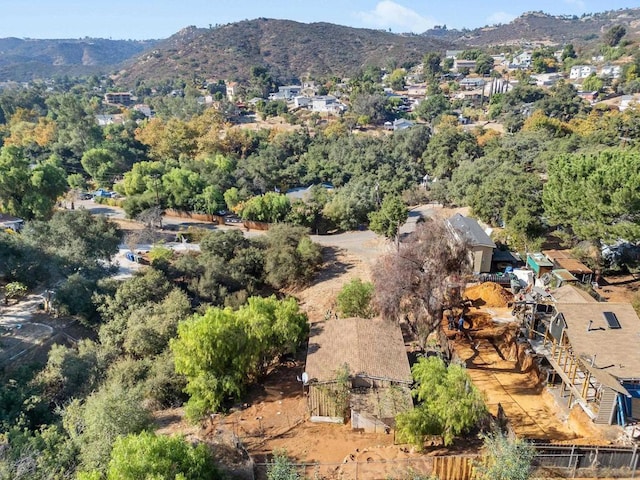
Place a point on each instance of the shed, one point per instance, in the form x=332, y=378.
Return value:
x=539, y=264
x=564, y=259
x=482, y=246
x=379, y=374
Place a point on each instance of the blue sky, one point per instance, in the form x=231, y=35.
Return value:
x=140, y=19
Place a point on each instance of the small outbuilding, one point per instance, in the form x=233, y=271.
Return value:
x=482, y=246
x=358, y=368
x=8, y=222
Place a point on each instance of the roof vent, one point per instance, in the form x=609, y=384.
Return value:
x=612, y=320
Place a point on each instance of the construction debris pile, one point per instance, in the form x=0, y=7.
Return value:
x=488, y=294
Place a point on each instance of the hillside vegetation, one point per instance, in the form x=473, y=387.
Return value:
x=289, y=49
x=535, y=27
x=28, y=59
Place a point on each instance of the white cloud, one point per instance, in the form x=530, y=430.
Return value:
x=388, y=14
x=500, y=17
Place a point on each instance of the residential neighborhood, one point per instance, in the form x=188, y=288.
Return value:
x=271, y=249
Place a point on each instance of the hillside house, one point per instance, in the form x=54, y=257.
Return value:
x=578, y=72
x=459, y=64
x=523, y=60
x=592, y=348
x=481, y=244
x=327, y=104
x=118, y=98
x=379, y=377
x=109, y=119
x=610, y=71
x=469, y=83
x=418, y=90
x=302, y=102
x=402, y=124
x=143, y=109
x=546, y=79
x=232, y=89
x=9, y=222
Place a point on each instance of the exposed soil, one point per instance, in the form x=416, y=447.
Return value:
x=619, y=288
x=489, y=294
x=509, y=380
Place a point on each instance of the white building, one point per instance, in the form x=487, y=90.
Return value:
x=523, y=60
x=581, y=71
x=610, y=71
x=326, y=104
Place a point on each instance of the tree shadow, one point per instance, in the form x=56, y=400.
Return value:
x=332, y=266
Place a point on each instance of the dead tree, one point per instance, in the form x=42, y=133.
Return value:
x=419, y=281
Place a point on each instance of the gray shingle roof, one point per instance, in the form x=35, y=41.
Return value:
x=471, y=230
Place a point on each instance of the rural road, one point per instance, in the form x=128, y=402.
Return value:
x=363, y=243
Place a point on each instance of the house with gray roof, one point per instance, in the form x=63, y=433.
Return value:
x=480, y=243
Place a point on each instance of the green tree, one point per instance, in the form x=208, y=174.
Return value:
x=595, y=195
x=371, y=105
x=592, y=83
x=506, y=459
x=484, y=64
x=432, y=107
x=147, y=456
x=99, y=164
x=388, y=220
x=396, y=79
x=222, y=351
x=613, y=36
x=108, y=413
x=291, y=257
x=14, y=291
x=568, y=52
x=72, y=372
x=75, y=237
x=271, y=207
x=431, y=64
x=26, y=191
x=355, y=299
x=43, y=453
x=281, y=468
x=450, y=404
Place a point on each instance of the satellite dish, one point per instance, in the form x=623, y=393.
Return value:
x=305, y=378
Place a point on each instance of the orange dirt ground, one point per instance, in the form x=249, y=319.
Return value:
x=488, y=294
x=496, y=371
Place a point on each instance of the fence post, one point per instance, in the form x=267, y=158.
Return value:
x=634, y=460
x=574, y=461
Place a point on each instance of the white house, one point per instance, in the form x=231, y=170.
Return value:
x=610, y=71
x=326, y=103
x=546, y=79
x=302, y=102
x=523, y=60
x=581, y=71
